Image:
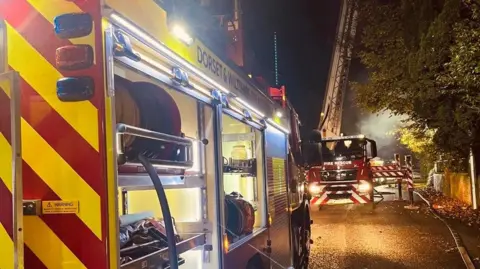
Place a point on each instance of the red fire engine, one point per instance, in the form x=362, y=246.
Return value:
x=345, y=176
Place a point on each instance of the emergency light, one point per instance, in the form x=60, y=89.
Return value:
x=180, y=32
x=73, y=25
x=74, y=89
x=74, y=57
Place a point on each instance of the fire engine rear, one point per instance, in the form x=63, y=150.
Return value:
x=345, y=175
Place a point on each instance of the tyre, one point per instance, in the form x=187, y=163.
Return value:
x=301, y=238
x=306, y=240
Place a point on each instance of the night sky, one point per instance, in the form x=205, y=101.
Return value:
x=305, y=33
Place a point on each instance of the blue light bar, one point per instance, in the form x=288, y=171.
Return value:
x=73, y=25
x=75, y=89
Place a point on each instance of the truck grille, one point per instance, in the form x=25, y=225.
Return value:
x=339, y=175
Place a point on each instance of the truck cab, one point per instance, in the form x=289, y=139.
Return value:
x=344, y=176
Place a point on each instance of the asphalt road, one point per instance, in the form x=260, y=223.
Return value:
x=354, y=236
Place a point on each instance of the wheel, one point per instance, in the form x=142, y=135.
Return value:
x=306, y=240
x=296, y=245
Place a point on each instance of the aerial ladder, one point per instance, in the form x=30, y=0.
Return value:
x=331, y=114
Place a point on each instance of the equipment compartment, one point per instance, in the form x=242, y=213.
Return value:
x=165, y=127
x=243, y=179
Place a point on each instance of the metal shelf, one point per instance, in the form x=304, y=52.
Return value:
x=157, y=259
x=141, y=181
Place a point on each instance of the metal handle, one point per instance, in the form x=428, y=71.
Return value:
x=124, y=129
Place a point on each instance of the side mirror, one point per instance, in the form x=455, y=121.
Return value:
x=312, y=153
x=373, y=148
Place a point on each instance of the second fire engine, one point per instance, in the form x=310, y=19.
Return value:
x=345, y=176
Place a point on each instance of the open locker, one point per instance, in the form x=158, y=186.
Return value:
x=167, y=128
x=158, y=118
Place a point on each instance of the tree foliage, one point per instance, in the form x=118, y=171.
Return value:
x=423, y=58
x=420, y=142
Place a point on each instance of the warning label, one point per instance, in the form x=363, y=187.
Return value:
x=60, y=207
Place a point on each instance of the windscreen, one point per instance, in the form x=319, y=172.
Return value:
x=343, y=150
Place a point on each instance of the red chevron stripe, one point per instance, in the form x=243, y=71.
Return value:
x=6, y=212
x=62, y=137
x=5, y=123
x=40, y=34
x=31, y=260
x=72, y=231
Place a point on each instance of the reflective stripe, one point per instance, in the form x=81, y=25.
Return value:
x=6, y=250
x=53, y=252
x=5, y=158
x=56, y=179
x=42, y=76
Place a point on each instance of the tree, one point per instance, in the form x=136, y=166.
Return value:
x=424, y=62
x=420, y=142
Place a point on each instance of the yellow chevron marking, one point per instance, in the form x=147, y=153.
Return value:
x=5, y=86
x=5, y=163
x=6, y=251
x=46, y=245
x=63, y=179
x=82, y=116
x=6, y=243
x=51, y=9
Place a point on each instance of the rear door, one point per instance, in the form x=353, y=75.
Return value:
x=11, y=239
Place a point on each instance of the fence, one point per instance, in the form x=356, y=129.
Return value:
x=458, y=186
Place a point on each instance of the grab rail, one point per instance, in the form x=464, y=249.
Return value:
x=124, y=129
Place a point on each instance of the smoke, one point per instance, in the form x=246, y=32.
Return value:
x=381, y=128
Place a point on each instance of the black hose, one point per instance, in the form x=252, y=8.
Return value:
x=167, y=216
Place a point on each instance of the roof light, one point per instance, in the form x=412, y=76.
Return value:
x=73, y=25
x=279, y=114
x=74, y=57
x=75, y=89
x=179, y=32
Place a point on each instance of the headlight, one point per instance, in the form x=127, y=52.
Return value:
x=314, y=189
x=365, y=187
